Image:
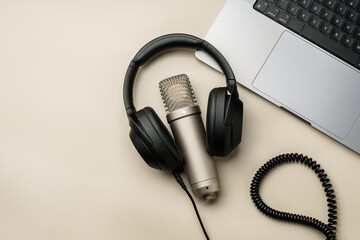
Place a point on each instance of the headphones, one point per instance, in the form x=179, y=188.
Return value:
x=224, y=115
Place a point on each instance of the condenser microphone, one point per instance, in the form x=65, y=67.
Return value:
x=184, y=116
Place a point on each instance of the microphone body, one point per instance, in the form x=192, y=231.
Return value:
x=184, y=117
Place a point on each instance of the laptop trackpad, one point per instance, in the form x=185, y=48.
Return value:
x=312, y=84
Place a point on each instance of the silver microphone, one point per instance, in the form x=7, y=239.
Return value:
x=184, y=116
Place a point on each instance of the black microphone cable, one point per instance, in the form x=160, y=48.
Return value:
x=329, y=228
x=183, y=186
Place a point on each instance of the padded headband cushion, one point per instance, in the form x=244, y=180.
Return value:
x=167, y=42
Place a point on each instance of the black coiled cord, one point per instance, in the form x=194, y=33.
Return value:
x=328, y=229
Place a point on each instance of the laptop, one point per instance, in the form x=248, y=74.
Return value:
x=302, y=55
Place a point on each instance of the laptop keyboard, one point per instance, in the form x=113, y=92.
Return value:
x=333, y=25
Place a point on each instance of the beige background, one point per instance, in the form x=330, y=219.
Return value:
x=67, y=167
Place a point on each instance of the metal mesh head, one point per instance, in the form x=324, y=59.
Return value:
x=177, y=93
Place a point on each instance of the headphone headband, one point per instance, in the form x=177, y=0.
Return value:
x=167, y=42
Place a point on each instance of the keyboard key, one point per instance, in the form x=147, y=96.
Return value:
x=283, y=18
x=326, y=14
x=303, y=15
x=315, y=8
x=272, y=12
x=349, y=28
x=261, y=6
x=320, y=1
x=352, y=15
x=348, y=41
x=330, y=45
x=282, y=3
x=357, y=33
x=293, y=9
x=353, y=3
x=336, y=34
x=295, y=25
x=341, y=9
x=305, y=3
x=357, y=65
x=271, y=1
x=314, y=22
x=330, y=4
x=357, y=47
x=337, y=21
x=325, y=28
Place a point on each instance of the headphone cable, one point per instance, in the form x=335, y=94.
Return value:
x=183, y=186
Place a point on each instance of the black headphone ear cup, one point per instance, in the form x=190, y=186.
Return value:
x=236, y=111
x=154, y=142
x=218, y=135
x=222, y=138
x=142, y=143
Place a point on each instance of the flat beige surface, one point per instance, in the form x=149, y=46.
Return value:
x=67, y=167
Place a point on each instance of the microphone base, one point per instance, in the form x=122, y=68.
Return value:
x=207, y=189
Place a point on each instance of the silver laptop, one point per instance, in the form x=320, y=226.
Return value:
x=290, y=52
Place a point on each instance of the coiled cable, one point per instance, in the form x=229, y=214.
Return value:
x=328, y=229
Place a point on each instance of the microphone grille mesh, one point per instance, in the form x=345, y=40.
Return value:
x=177, y=92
